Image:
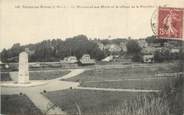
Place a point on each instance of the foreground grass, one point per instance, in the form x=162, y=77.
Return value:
x=84, y=102
x=89, y=101
x=18, y=105
x=144, y=105
x=169, y=102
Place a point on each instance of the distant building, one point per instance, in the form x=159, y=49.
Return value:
x=86, y=60
x=70, y=59
x=175, y=50
x=114, y=48
x=108, y=59
x=148, y=58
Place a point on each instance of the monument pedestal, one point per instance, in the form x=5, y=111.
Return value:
x=23, y=82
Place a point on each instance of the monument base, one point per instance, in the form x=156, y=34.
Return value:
x=23, y=82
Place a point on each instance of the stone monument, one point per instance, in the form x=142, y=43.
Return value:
x=23, y=74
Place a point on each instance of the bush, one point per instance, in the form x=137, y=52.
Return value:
x=137, y=58
x=165, y=55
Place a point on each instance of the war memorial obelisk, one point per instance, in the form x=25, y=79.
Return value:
x=23, y=74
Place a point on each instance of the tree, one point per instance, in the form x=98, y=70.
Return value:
x=15, y=50
x=133, y=47
x=56, y=49
x=79, y=45
x=162, y=55
x=153, y=39
x=4, y=55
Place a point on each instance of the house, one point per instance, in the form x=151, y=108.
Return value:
x=148, y=58
x=86, y=60
x=108, y=59
x=70, y=59
x=114, y=48
x=175, y=50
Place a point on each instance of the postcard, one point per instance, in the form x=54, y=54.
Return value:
x=92, y=57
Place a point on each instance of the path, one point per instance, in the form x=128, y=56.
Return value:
x=74, y=72
x=43, y=103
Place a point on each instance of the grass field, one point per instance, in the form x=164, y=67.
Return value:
x=122, y=73
x=18, y=105
x=151, y=84
x=37, y=75
x=5, y=76
x=89, y=101
x=47, y=75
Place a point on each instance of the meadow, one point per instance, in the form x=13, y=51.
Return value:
x=90, y=102
x=36, y=75
x=128, y=72
x=71, y=100
x=18, y=105
x=144, y=84
x=47, y=75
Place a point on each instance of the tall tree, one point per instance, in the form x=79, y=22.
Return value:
x=133, y=47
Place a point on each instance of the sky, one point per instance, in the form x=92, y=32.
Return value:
x=31, y=21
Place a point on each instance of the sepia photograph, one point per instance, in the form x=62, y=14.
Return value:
x=91, y=57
